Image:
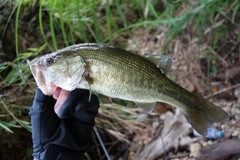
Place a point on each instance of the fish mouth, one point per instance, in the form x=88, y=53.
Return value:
x=46, y=86
x=48, y=89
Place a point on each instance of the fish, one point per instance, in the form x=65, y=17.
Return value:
x=118, y=73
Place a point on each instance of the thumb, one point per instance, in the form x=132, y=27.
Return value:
x=61, y=96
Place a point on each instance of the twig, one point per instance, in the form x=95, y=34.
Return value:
x=223, y=60
x=232, y=5
x=214, y=26
x=181, y=155
x=164, y=148
x=230, y=51
x=4, y=105
x=223, y=90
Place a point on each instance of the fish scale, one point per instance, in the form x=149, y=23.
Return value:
x=121, y=74
x=136, y=74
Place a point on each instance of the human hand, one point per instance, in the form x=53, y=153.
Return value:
x=62, y=123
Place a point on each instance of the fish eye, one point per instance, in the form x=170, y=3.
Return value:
x=49, y=61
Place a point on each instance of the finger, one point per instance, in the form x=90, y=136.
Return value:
x=63, y=95
x=56, y=93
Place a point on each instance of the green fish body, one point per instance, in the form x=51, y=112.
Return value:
x=121, y=74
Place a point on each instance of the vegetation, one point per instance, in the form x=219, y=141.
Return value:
x=76, y=21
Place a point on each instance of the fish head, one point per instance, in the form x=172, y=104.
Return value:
x=64, y=70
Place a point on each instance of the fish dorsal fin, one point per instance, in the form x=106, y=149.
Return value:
x=163, y=62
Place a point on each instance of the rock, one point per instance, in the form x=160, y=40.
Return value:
x=238, y=124
x=204, y=144
x=195, y=150
x=235, y=133
x=155, y=125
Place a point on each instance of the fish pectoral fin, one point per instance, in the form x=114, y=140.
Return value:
x=89, y=81
x=90, y=93
x=163, y=62
x=147, y=107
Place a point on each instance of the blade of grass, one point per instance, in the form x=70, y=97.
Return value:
x=61, y=11
x=14, y=75
x=81, y=24
x=108, y=19
x=41, y=27
x=92, y=32
x=184, y=20
x=138, y=6
x=4, y=126
x=19, y=72
x=8, y=125
x=72, y=35
x=18, y=68
x=8, y=20
x=235, y=7
x=98, y=37
x=151, y=22
x=51, y=14
x=125, y=24
x=16, y=26
x=24, y=124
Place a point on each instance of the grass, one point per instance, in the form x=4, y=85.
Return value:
x=81, y=19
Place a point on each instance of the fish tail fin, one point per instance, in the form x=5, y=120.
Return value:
x=204, y=114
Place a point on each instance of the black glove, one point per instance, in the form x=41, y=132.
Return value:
x=67, y=137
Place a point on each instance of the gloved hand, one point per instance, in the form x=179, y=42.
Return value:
x=67, y=134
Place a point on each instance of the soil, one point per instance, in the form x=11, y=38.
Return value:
x=17, y=145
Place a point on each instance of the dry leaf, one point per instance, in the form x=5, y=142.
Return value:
x=175, y=133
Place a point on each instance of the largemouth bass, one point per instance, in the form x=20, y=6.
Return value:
x=120, y=74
